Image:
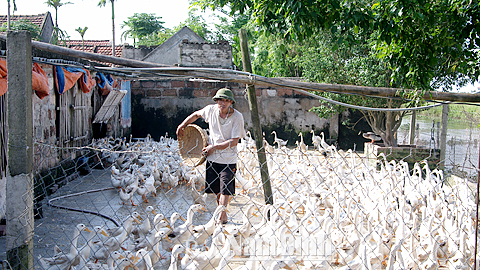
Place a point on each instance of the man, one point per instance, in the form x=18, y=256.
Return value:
x=226, y=127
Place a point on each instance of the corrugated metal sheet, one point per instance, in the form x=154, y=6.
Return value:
x=126, y=106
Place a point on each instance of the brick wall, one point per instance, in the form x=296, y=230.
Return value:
x=158, y=106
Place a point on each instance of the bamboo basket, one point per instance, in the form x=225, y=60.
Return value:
x=190, y=145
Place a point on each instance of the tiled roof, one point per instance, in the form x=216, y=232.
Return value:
x=35, y=19
x=89, y=42
x=95, y=46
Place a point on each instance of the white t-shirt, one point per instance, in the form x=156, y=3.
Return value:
x=221, y=130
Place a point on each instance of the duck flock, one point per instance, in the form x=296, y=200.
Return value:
x=332, y=210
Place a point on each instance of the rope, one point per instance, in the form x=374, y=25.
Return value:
x=252, y=77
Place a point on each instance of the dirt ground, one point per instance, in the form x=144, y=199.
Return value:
x=56, y=226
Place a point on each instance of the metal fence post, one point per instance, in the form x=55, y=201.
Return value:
x=19, y=208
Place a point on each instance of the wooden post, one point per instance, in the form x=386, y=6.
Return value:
x=413, y=121
x=257, y=128
x=443, y=136
x=19, y=206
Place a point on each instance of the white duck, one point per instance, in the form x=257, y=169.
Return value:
x=181, y=233
x=202, y=232
x=197, y=197
x=203, y=259
x=102, y=249
x=84, y=251
x=127, y=192
x=174, y=217
x=177, y=249
x=144, y=227
x=303, y=147
x=279, y=141
x=145, y=261
x=64, y=260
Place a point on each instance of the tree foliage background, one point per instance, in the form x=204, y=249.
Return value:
x=410, y=44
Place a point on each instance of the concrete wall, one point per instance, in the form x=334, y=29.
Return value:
x=44, y=129
x=47, y=28
x=168, y=52
x=159, y=106
x=212, y=55
x=139, y=53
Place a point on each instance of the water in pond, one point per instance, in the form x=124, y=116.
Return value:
x=462, y=149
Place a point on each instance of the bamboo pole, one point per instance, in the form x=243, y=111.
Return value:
x=257, y=128
x=229, y=75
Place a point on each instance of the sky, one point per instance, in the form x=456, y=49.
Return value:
x=83, y=13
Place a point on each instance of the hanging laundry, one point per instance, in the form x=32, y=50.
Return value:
x=40, y=81
x=66, y=77
x=3, y=76
x=106, y=83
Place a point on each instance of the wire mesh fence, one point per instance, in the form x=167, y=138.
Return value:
x=121, y=203
x=462, y=148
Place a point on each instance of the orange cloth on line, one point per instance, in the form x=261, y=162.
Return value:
x=40, y=81
x=105, y=83
x=66, y=77
x=86, y=84
x=3, y=76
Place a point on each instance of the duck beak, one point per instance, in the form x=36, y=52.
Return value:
x=136, y=220
x=255, y=215
x=104, y=233
x=168, y=239
x=87, y=230
x=168, y=226
x=182, y=218
x=154, y=212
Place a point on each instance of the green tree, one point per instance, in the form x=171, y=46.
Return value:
x=197, y=24
x=58, y=34
x=194, y=22
x=157, y=38
x=227, y=29
x=23, y=25
x=421, y=43
x=322, y=60
x=141, y=25
x=102, y=3
x=422, y=40
x=82, y=31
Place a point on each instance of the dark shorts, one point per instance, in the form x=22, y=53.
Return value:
x=220, y=178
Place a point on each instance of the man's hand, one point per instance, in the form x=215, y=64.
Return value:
x=180, y=131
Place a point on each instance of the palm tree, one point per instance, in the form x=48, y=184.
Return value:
x=102, y=3
x=56, y=4
x=8, y=14
x=82, y=33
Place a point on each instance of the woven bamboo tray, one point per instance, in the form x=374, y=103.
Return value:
x=190, y=145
